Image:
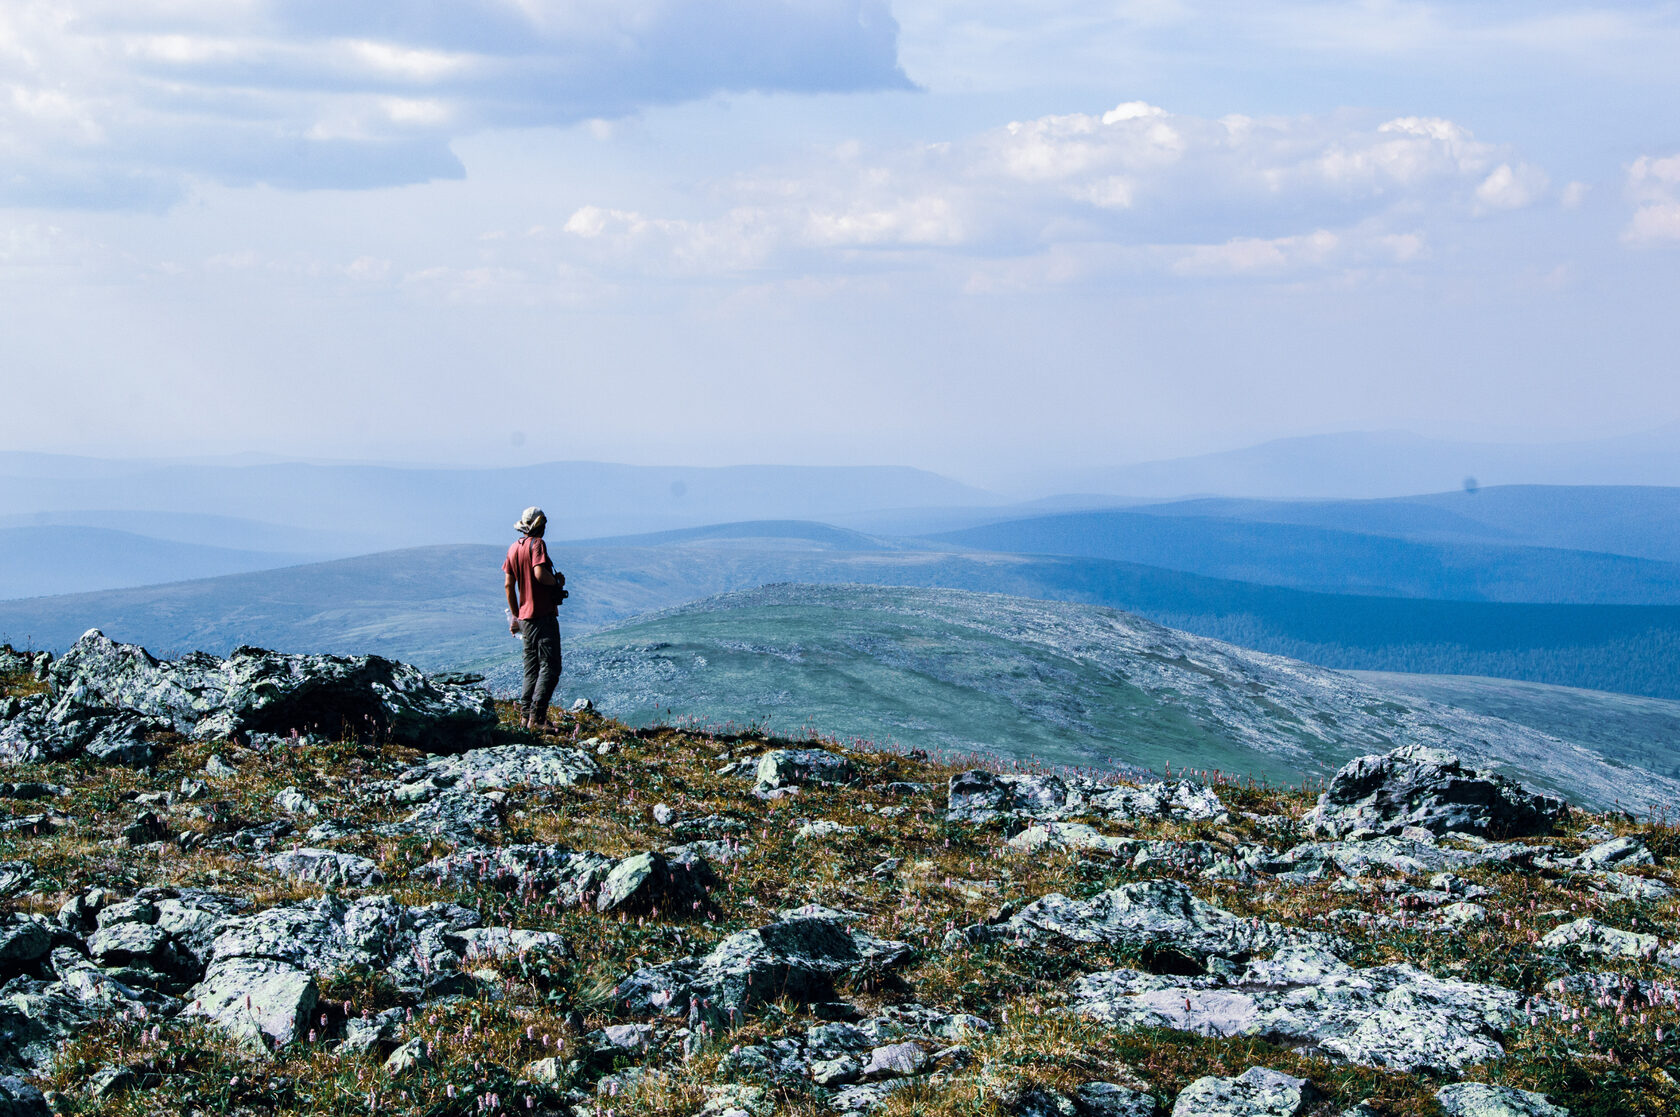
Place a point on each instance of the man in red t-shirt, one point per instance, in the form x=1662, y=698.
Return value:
x=534, y=591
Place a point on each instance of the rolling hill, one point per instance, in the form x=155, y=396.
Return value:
x=441, y=606
x=1035, y=680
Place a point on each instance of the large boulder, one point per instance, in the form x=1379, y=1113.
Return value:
x=107, y=698
x=1429, y=788
x=1161, y=919
x=780, y=768
x=495, y=768
x=1478, y=1099
x=1396, y=1016
x=1256, y=1092
x=799, y=956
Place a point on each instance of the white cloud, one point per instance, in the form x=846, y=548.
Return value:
x=118, y=102
x=1230, y=196
x=1511, y=187
x=1653, y=184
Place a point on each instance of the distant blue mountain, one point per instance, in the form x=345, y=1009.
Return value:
x=35, y=561
x=1641, y=521
x=441, y=606
x=1192, y=538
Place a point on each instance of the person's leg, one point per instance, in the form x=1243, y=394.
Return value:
x=533, y=663
x=549, y=677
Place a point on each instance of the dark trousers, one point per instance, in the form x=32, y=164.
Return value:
x=542, y=665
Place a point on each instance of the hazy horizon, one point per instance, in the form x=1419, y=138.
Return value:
x=951, y=234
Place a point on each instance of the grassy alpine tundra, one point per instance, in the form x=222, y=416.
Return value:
x=312, y=884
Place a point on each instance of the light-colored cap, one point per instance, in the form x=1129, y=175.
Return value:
x=532, y=519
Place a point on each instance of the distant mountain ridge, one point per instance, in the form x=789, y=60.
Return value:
x=441, y=607
x=1329, y=560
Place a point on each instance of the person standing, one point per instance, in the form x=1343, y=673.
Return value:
x=534, y=592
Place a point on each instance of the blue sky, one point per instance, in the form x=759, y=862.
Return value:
x=979, y=237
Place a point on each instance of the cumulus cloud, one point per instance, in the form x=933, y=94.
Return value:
x=1234, y=195
x=1654, y=186
x=114, y=102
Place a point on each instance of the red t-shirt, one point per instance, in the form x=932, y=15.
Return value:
x=523, y=559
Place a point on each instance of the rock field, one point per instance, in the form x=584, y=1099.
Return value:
x=312, y=884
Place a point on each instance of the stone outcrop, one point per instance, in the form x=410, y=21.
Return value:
x=981, y=796
x=1478, y=1099
x=1430, y=789
x=106, y=699
x=1256, y=1092
x=1397, y=1016
x=1161, y=919
x=799, y=956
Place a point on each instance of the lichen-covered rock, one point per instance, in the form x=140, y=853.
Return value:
x=1431, y=789
x=107, y=697
x=1588, y=936
x=1394, y=1016
x=1073, y=835
x=24, y=939
x=326, y=867
x=574, y=875
x=1616, y=854
x=1162, y=919
x=495, y=768
x=1179, y=801
x=1257, y=1092
x=979, y=796
x=460, y=816
x=1477, y=1099
x=799, y=956
x=267, y=1000
x=19, y=1099
x=649, y=882
x=780, y=768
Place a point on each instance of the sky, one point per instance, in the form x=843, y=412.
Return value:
x=967, y=235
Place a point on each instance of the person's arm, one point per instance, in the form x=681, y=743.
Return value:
x=545, y=574
x=512, y=602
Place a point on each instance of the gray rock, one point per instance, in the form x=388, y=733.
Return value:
x=293, y=801
x=497, y=768
x=574, y=875
x=409, y=1056
x=1073, y=835
x=1159, y=918
x=1180, y=801
x=1395, y=1016
x=460, y=816
x=1626, y=886
x=24, y=939
x=135, y=944
x=979, y=796
x=98, y=683
x=15, y=877
x=218, y=769
x=491, y=944
x=799, y=956
x=19, y=1099
x=1588, y=936
x=105, y=1083
x=1617, y=853
x=1108, y=1099
x=265, y=999
x=842, y=1070
x=780, y=768
x=1257, y=1092
x=1431, y=789
x=895, y=1060
x=325, y=867
x=1476, y=1099
x=365, y=1035
x=418, y=948
x=649, y=882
